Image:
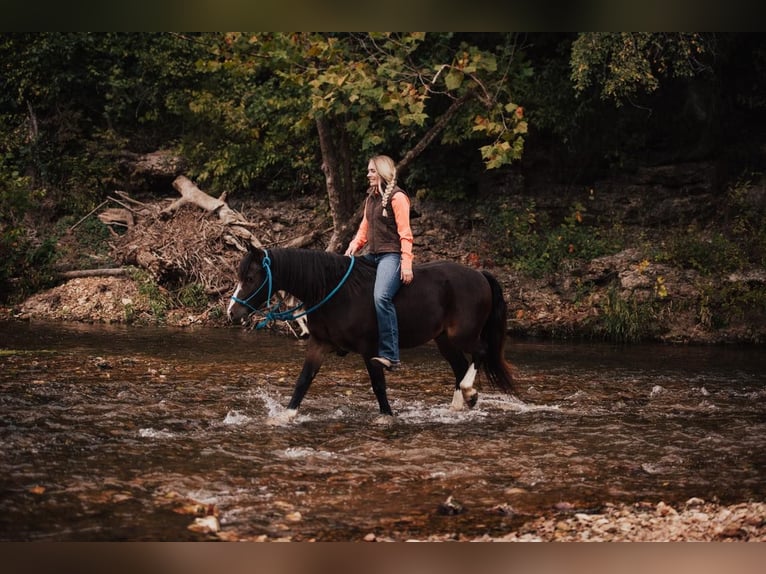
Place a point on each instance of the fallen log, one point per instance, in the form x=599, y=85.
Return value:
x=109, y=272
x=306, y=239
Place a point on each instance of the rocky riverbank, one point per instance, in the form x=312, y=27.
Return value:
x=694, y=521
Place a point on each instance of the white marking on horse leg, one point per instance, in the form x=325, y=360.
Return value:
x=468, y=378
x=232, y=301
x=457, y=401
x=466, y=385
x=304, y=326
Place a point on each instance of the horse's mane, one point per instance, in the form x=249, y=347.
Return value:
x=325, y=270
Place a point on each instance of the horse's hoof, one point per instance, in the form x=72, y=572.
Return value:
x=470, y=396
x=383, y=420
x=451, y=507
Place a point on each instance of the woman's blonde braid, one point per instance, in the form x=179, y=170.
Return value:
x=387, y=194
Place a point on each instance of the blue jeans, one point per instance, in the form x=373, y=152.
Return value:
x=387, y=282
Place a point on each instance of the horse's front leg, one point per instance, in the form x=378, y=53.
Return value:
x=378, y=381
x=312, y=362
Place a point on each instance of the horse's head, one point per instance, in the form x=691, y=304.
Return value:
x=253, y=285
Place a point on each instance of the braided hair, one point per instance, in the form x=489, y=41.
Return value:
x=388, y=174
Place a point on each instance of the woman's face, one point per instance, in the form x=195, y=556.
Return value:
x=372, y=174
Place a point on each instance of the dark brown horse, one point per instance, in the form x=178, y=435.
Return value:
x=462, y=309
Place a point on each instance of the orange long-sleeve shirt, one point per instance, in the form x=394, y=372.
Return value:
x=400, y=205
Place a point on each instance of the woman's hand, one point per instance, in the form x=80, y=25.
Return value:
x=351, y=251
x=407, y=276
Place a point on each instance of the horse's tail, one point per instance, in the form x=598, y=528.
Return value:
x=497, y=369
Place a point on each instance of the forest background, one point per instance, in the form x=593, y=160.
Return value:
x=619, y=174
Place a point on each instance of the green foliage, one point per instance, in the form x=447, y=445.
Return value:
x=74, y=102
x=624, y=64
x=25, y=258
x=736, y=239
x=706, y=254
x=535, y=247
x=91, y=235
x=245, y=122
x=722, y=304
x=158, y=299
x=746, y=219
x=25, y=264
x=379, y=92
x=192, y=296
x=626, y=319
x=216, y=313
x=84, y=246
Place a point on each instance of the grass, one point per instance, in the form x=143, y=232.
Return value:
x=626, y=320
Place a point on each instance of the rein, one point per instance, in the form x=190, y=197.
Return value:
x=271, y=313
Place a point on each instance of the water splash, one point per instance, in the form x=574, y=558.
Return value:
x=513, y=404
x=154, y=433
x=273, y=404
x=236, y=418
x=297, y=452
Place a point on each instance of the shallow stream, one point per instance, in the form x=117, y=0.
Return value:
x=120, y=433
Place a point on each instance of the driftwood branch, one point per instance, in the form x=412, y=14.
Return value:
x=175, y=244
x=91, y=212
x=108, y=216
x=129, y=199
x=118, y=216
x=190, y=193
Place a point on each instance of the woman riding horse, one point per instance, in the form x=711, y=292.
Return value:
x=462, y=309
x=390, y=249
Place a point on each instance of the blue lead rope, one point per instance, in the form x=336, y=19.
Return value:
x=271, y=313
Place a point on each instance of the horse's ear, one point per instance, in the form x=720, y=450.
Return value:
x=256, y=253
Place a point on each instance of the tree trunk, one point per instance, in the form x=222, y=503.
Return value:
x=339, y=188
x=336, y=165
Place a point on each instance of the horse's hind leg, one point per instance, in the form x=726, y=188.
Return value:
x=465, y=373
x=467, y=390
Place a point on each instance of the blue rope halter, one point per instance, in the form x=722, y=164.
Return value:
x=271, y=313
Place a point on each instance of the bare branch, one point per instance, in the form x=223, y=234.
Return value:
x=435, y=130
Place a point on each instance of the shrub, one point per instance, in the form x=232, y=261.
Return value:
x=626, y=320
x=534, y=247
x=706, y=254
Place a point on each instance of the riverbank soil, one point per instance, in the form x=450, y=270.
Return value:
x=649, y=256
